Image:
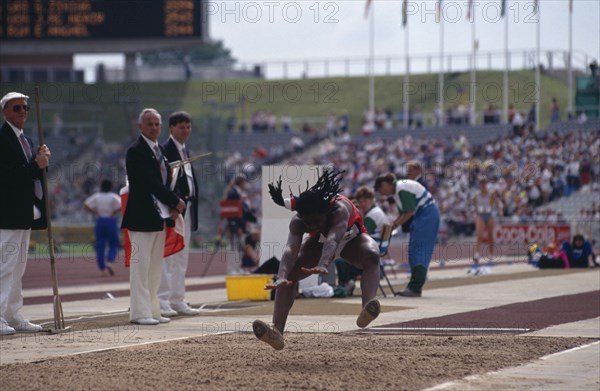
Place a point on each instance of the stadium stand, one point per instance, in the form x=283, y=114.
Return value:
x=276, y=144
x=453, y=157
x=581, y=209
x=528, y=171
x=576, y=206
x=476, y=135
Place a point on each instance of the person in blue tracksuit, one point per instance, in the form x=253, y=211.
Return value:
x=413, y=200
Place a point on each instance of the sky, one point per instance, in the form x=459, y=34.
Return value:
x=274, y=31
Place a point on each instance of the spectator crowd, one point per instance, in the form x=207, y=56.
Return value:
x=527, y=170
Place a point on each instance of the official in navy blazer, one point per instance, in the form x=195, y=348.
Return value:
x=171, y=293
x=148, y=175
x=180, y=128
x=21, y=208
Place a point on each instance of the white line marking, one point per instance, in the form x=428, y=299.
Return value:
x=447, y=329
x=131, y=346
x=569, y=350
x=457, y=383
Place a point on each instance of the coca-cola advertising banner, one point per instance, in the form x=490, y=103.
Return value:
x=527, y=234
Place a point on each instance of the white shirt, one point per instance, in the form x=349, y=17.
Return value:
x=186, y=167
x=105, y=204
x=154, y=147
x=162, y=208
x=151, y=144
x=379, y=218
x=18, y=133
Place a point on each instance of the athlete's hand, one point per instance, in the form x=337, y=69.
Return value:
x=316, y=270
x=279, y=283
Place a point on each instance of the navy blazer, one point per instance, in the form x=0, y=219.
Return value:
x=182, y=188
x=17, y=189
x=145, y=181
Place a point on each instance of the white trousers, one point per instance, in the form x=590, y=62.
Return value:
x=144, y=273
x=172, y=282
x=14, y=245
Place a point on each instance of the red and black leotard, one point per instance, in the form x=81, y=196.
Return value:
x=354, y=219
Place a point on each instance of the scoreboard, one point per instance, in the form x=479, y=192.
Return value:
x=100, y=19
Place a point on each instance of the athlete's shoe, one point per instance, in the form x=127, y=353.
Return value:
x=369, y=312
x=268, y=334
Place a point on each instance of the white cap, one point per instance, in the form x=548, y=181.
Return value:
x=11, y=96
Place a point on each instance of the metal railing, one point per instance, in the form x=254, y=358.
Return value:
x=551, y=59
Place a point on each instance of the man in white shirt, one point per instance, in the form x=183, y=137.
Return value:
x=149, y=179
x=171, y=293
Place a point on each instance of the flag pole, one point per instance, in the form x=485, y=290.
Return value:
x=506, y=64
x=537, y=70
x=371, y=114
x=473, y=94
x=570, y=64
x=406, y=77
x=441, y=74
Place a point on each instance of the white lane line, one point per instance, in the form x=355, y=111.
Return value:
x=569, y=350
x=449, y=329
x=457, y=383
x=130, y=346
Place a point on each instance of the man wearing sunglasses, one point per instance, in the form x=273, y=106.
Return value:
x=21, y=208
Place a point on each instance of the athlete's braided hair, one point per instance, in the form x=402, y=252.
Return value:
x=314, y=200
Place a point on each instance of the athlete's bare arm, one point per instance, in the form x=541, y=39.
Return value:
x=290, y=254
x=339, y=223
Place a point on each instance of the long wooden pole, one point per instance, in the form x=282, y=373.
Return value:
x=371, y=116
x=59, y=323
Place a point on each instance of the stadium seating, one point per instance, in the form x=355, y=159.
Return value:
x=246, y=143
x=476, y=135
x=571, y=207
x=567, y=126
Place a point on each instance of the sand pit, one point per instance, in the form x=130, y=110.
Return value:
x=237, y=361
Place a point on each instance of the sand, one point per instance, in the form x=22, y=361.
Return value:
x=322, y=361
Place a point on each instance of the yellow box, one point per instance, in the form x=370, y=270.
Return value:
x=250, y=287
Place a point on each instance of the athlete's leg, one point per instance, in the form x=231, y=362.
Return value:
x=363, y=252
x=479, y=231
x=489, y=226
x=308, y=257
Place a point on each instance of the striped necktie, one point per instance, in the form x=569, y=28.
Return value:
x=161, y=163
x=28, y=154
x=187, y=168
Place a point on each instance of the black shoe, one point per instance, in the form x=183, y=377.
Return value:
x=408, y=293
